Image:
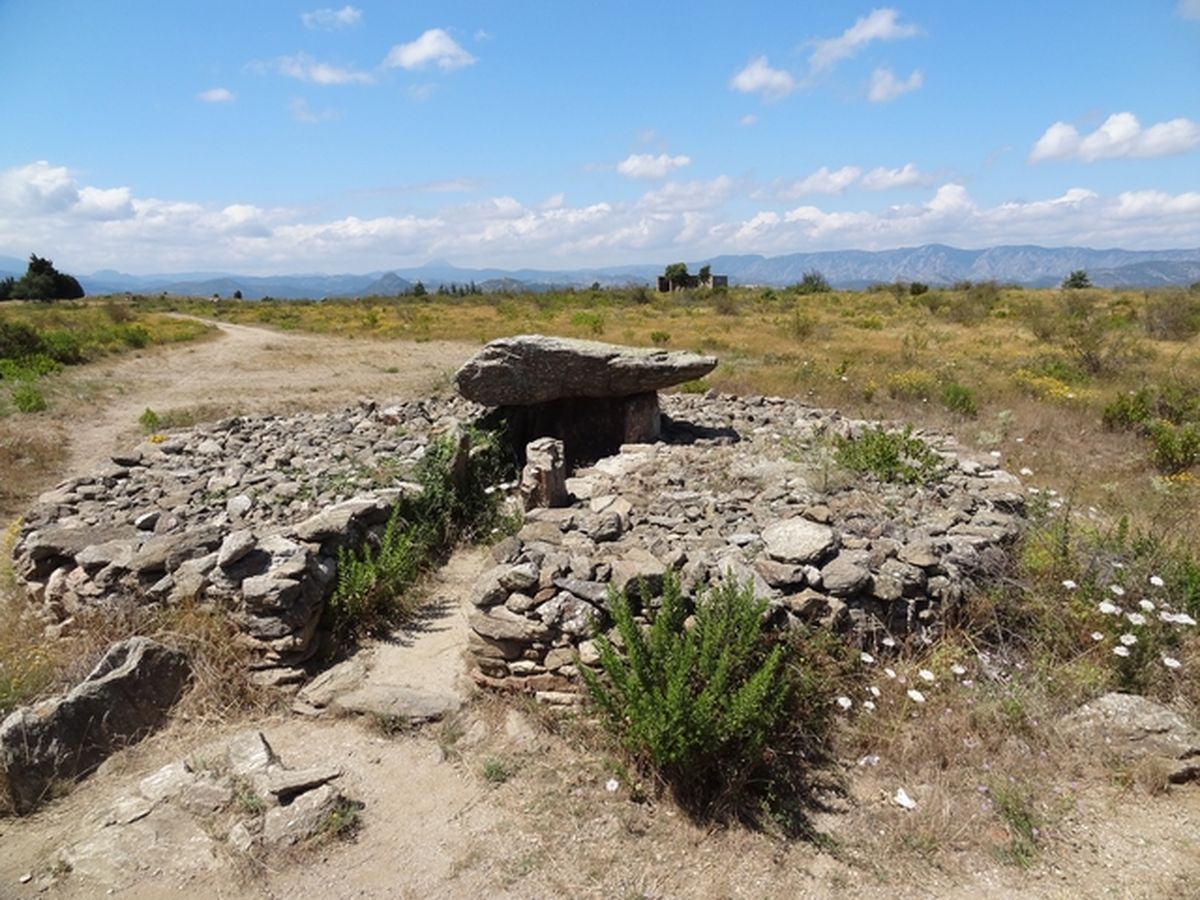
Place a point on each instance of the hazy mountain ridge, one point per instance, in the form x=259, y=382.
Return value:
x=935, y=264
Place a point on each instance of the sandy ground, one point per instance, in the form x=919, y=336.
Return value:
x=434, y=824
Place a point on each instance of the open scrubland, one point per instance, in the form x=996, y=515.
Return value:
x=1092, y=396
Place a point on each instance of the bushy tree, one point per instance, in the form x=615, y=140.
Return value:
x=43, y=282
x=812, y=282
x=1077, y=280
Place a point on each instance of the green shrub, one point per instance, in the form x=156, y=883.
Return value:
x=959, y=398
x=1174, y=448
x=28, y=368
x=660, y=338
x=917, y=288
x=812, y=282
x=1129, y=411
x=63, y=346
x=17, y=340
x=592, y=321
x=1171, y=315
x=150, y=421
x=27, y=398
x=888, y=455
x=135, y=336
x=711, y=706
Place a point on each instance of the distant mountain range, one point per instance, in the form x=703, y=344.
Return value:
x=935, y=264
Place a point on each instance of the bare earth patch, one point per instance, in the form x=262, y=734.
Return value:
x=496, y=800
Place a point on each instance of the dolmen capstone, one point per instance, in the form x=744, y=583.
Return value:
x=592, y=396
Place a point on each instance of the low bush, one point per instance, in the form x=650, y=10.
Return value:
x=959, y=398
x=723, y=715
x=911, y=384
x=891, y=456
x=27, y=398
x=1174, y=448
x=1171, y=315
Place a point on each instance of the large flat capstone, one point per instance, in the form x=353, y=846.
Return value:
x=532, y=368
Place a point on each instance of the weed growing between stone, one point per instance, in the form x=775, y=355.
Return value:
x=888, y=455
x=458, y=500
x=732, y=721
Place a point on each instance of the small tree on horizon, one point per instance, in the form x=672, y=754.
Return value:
x=43, y=282
x=1077, y=280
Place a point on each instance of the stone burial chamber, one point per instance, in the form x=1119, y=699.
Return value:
x=592, y=396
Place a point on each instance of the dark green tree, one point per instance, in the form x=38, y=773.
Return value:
x=677, y=274
x=812, y=282
x=419, y=289
x=704, y=274
x=1077, y=280
x=43, y=282
x=6, y=287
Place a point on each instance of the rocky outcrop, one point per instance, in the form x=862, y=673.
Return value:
x=741, y=487
x=534, y=368
x=125, y=697
x=1131, y=728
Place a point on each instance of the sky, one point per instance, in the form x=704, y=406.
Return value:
x=269, y=137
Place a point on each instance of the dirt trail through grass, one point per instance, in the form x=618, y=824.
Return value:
x=250, y=369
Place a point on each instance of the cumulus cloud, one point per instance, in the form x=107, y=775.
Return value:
x=882, y=179
x=331, y=19
x=1120, y=137
x=759, y=78
x=94, y=226
x=885, y=86
x=216, y=95
x=435, y=47
x=878, y=25
x=303, y=67
x=646, y=165
x=822, y=181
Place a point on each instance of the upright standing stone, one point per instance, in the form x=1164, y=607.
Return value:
x=544, y=478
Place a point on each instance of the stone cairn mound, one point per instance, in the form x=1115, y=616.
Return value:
x=246, y=513
x=249, y=513
x=738, y=487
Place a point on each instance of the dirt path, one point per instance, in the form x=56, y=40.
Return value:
x=248, y=369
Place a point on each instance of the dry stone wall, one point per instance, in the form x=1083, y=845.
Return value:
x=246, y=513
x=741, y=487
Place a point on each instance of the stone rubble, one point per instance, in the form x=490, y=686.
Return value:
x=740, y=487
x=246, y=513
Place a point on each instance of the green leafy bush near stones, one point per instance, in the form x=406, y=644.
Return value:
x=718, y=710
x=458, y=500
x=890, y=456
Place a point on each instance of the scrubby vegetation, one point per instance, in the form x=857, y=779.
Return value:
x=730, y=719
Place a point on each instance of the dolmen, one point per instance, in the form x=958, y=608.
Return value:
x=590, y=395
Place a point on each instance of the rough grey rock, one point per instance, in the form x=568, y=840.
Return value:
x=1133, y=728
x=798, y=540
x=529, y=369
x=544, y=478
x=125, y=697
x=302, y=818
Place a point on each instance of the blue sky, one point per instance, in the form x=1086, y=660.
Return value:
x=274, y=137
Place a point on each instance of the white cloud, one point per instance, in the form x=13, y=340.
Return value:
x=1188, y=9
x=881, y=179
x=1120, y=137
x=434, y=47
x=303, y=67
x=331, y=19
x=886, y=87
x=759, y=78
x=216, y=95
x=646, y=165
x=822, y=181
x=304, y=113
x=879, y=25
x=92, y=226
x=748, y=119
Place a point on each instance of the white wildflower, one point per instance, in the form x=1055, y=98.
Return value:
x=845, y=702
x=1117, y=590
x=1146, y=605
x=888, y=641
x=995, y=454
x=1170, y=662
x=889, y=672
x=1128, y=639
x=902, y=799
x=1135, y=618
x=869, y=705
x=1121, y=651
x=875, y=692
x=925, y=674
x=866, y=657
x=1108, y=609
x=1026, y=471
x=1069, y=584
x=1156, y=581
x=1097, y=636
x=915, y=696
x=958, y=670
x=612, y=785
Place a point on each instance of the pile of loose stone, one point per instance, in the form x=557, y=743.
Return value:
x=247, y=513
x=741, y=487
